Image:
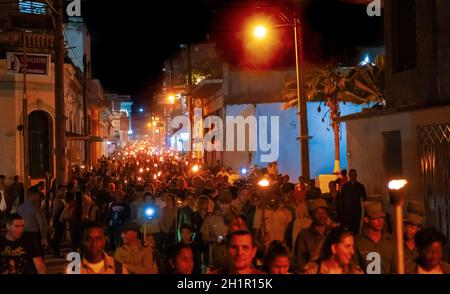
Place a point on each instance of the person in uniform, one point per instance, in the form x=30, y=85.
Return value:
x=375, y=239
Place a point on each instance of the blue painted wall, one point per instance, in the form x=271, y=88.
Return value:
x=321, y=146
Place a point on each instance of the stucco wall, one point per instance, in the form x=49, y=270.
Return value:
x=321, y=146
x=365, y=147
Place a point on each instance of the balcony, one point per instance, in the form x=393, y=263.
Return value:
x=32, y=40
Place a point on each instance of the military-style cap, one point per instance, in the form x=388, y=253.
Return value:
x=316, y=204
x=375, y=198
x=414, y=219
x=129, y=226
x=416, y=207
x=374, y=209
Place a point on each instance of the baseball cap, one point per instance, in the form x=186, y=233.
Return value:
x=129, y=226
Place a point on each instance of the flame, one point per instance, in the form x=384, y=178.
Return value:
x=397, y=184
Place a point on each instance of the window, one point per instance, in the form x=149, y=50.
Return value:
x=404, y=35
x=32, y=7
x=392, y=154
x=40, y=144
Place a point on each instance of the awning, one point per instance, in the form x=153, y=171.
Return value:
x=207, y=88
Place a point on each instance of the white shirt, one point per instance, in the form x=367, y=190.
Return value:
x=96, y=267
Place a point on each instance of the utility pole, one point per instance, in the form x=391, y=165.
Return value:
x=26, y=163
x=301, y=100
x=60, y=116
x=190, y=102
x=87, y=149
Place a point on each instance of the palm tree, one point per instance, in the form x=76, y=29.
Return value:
x=363, y=84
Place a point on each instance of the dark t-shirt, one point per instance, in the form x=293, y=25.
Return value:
x=16, y=257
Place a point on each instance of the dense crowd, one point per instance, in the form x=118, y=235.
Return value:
x=150, y=211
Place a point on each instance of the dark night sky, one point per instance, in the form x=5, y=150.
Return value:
x=131, y=39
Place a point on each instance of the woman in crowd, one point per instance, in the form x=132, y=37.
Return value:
x=430, y=244
x=336, y=255
x=277, y=260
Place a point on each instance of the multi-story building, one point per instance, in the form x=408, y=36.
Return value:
x=410, y=138
x=27, y=28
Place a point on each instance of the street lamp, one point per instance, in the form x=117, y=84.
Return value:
x=171, y=99
x=260, y=32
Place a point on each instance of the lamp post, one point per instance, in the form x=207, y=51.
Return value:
x=260, y=32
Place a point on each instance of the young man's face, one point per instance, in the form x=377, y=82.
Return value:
x=186, y=235
x=376, y=224
x=241, y=252
x=244, y=195
x=15, y=229
x=432, y=254
x=190, y=199
x=129, y=237
x=353, y=176
x=410, y=231
x=320, y=216
x=344, y=250
x=332, y=186
x=184, y=262
x=279, y=266
x=237, y=224
x=94, y=243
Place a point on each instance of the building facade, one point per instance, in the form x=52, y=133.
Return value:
x=410, y=138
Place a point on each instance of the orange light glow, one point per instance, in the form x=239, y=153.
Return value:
x=260, y=32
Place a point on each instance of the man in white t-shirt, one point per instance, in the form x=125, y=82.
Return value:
x=95, y=260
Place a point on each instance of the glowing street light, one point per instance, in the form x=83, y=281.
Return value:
x=171, y=99
x=260, y=32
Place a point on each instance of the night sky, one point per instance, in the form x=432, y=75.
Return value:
x=131, y=39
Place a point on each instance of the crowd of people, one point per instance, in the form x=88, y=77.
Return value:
x=150, y=211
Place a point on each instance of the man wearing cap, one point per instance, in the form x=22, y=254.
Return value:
x=412, y=225
x=137, y=257
x=375, y=240
x=308, y=242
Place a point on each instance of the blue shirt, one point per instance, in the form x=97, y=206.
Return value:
x=34, y=218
